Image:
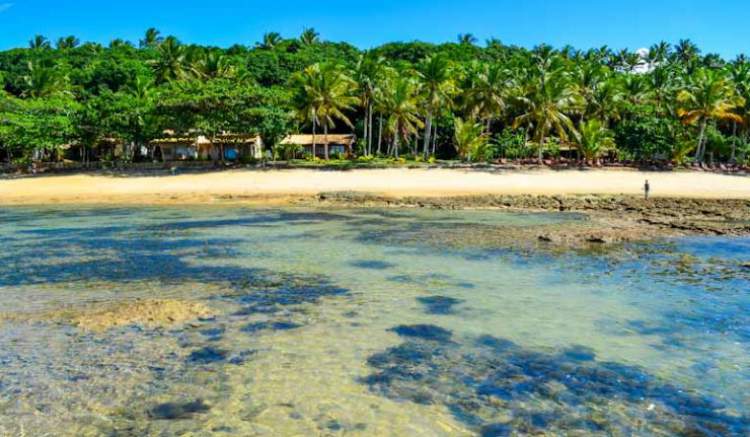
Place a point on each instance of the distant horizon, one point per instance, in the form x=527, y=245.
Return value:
x=585, y=24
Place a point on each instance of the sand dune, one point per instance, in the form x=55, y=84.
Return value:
x=277, y=185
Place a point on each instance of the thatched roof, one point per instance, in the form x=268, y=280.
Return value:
x=202, y=140
x=307, y=140
x=230, y=138
x=174, y=141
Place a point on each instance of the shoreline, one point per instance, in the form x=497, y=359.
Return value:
x=611, y=200
x=278, y=187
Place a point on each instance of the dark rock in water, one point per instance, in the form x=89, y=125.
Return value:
x=498, y=344
x=430, y=279
x=495, y=430
x=178, y=410
x=372, y=264
x=213, y=334
x=439, y=304
x=241, y=358
x=287, y=292
x=745, y=265
x=275, y=326
x=425, y=332
x=580, y=353
x=334, y=425
x=207, y=355
x=476, y=380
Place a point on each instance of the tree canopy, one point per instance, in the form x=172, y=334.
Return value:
x=673, y=103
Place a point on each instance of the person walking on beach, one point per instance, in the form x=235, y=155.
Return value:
x=647, y=189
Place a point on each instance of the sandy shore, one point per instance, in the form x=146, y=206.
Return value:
x=280, y=185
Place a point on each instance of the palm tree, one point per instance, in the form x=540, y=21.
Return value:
x=68, y=42
x=305, y=99
x=470, y=140
x=369, y=74
x=467, y=39
x=740, y=75
x=42, y=81
x=595, y=140
x=627, y=60
x=659, y=53
x=437, y=88
x=713, y=60
x=39, y=42
x=170, y=65
x=400, y=102
x=118, y=43
x=601, y=90
x=708, y=96
x=607, y=101
x=486, y=91
x=686, y=51
x=213, y=64
x=143, y=92
x=335, y=96
x=270, y=40
x=661, y=88
x=635, y=88
x=309, y=37
x=547, y=100
x=327, y=94
x=151, y=39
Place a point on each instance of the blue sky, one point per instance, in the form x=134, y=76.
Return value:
x=721, y=26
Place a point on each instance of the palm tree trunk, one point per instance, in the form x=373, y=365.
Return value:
x=395, y=144
x=733, y=159
x=427, y=134
x=313, y=140
x=699, y=150
x=541, y=149
x=366, y=129
x=325, y=139
x=369, y=131
x=380, y=133
x=434, y=141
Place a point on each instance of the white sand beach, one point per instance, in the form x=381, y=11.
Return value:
x=281, y=185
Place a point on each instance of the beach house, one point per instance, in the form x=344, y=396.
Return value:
x=229, y=146
x=337, y=144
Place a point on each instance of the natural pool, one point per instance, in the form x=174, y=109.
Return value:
x=365, y=322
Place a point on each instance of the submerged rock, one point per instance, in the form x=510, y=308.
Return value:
x=440, y=305
x=273, y=326
x=150, y=313
x=424, y=332
x=372, y=264
x=207, y=355
x=500, y=388
x=178, y=410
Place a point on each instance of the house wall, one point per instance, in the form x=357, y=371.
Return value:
x=178, y=152
x=320, y=149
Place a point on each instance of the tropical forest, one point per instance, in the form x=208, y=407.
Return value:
x=466, y=100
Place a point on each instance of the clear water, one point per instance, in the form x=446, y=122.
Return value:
x=366, y=322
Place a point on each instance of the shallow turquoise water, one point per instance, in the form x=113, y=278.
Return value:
x=333, y=322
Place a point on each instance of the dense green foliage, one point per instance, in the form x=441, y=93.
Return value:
x=401, y=99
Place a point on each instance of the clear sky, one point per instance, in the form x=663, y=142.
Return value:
x=721, y=26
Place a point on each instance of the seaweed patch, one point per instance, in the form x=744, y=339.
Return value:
x=372, y=264
x=270, y=326
x=178, y=410
x=439, y=305
x=424, y=332
x=558, y=393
